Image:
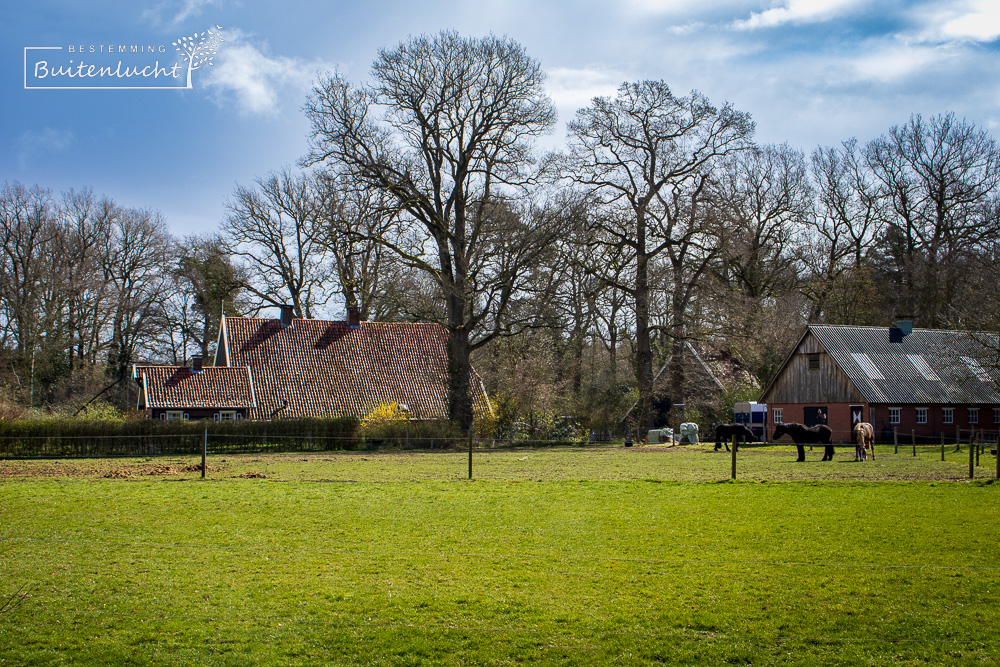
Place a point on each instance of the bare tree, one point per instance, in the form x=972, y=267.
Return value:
x=278, y=229
x=835, y=249
x=939, y=180
x=135, y=265
x=649, y=155
x=205, y=283
x=367, y=272
x=445, y=131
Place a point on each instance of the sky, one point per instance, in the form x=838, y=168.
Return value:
x=810, y=73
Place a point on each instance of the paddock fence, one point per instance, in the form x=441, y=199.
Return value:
x=81, y=439
x=977, y=444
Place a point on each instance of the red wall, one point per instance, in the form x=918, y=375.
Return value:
x=839, y=419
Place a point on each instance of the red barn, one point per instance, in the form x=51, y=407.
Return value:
x=922, y=381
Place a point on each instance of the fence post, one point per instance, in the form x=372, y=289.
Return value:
x=913, y=441
x=972, y=460
x=204, y=454
x=470, y=454
x=895, y=441
x=942, y=446
x=733, y=474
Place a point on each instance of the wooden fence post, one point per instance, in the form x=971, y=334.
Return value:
x=913, y=441
x=895, y=441
x=942, y=446
x=470, y=454
x=972, y=460
x=733, y=474
x=204, y=454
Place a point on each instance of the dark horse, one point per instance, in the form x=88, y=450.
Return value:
x=821, y=434
x=725, y=432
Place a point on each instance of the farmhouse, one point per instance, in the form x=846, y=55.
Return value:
x=293, y=368
x=922, y=381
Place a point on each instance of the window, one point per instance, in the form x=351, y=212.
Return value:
x=173, y=414
x=814, y=361
x=973, y=415
x=778, y=418
x=947, y=415
x=893, y=415
x=923, y=367
x=865, y=363
x=921, y=415
x=225, y=416
x=996, y=415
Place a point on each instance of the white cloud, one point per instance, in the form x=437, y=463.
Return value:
x=572, y=89
x=895, y=63
x=175, y=12
x=32, y=144
x=796, y=11
x=969, y=20
x=257, y=80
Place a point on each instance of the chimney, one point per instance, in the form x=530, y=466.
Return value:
x=196, y=363
x=354, y=317
x=901, y=329
x=286, y=316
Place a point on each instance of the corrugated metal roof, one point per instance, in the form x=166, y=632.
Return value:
x=905, y=380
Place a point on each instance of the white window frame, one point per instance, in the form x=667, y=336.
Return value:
x=894, y=415
x=778, y=415
x=174, y=414
x=947, y=415
x=973, y=415
x=921, y=415
x=226, y=416
x=996, y=415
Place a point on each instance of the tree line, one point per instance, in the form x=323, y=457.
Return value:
x=592, y=281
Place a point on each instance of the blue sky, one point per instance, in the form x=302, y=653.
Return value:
x=810, y=72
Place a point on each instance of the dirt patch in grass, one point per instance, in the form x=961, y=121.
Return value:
x=74, y=469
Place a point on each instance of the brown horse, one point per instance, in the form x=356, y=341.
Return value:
x=725, y=432
x=800, y=434
x=864, y=438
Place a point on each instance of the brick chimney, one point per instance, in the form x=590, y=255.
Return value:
x=196, y=363
x=286, y=316
x=353, y=317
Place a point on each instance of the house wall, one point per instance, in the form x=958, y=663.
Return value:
x=935, y=426
x=194, y=413
x=839, y=420
x=801, y=384
x=838, y=416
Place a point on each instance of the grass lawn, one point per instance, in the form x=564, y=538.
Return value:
x=602, y=556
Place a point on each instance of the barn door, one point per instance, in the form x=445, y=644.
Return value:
x=857, y=414
x=810, y=415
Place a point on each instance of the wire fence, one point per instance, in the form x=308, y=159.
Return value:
x=150, y=439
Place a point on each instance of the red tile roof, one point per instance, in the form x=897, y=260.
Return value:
x=178, y=387
x=325, y=368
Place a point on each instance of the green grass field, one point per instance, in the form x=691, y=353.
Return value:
x=597, y=556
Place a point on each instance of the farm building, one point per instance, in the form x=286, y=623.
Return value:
x=923, y=382
x=292, y=368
